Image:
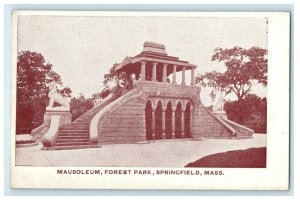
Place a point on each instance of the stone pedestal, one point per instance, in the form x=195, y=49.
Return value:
x=54, y=119
x=40, y=131
x=66, y=116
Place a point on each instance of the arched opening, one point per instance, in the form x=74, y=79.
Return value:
x=187, y=121
x=158, y=121
x=168, y=121
x=178, y=113
x=148, y=120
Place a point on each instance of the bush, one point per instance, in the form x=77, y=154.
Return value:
x=250, y=112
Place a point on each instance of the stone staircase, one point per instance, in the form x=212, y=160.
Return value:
x=77, y=134
x=74, y=134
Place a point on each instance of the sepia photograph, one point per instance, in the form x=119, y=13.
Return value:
x=146, y=94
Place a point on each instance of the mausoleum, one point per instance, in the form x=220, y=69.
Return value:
x=152, y=101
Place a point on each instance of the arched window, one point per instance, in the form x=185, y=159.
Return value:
x=187, y=120
x=158, y=121
x=178, y=126
x=168, y=121
x=148, y=120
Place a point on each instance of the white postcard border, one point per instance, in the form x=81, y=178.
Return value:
x=274, y=177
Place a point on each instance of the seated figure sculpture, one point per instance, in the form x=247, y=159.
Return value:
x=54, y=96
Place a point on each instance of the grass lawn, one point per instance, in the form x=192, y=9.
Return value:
x=249, y=158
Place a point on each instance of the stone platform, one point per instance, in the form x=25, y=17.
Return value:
x=152, y=154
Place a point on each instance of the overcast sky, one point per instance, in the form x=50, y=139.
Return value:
x=82, y=49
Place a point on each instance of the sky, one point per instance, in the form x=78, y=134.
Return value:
x=82, y=49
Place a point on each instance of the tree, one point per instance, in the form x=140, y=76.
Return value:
x=33, y=77
x=80, y=105
x=103, y=94
x=111, y=75
x=65, y=92
x=244, y=67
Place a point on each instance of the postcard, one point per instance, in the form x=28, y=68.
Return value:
x=150, y=100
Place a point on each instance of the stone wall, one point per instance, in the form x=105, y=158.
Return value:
x=124, y=120
x=205, y=125
x=167, y=90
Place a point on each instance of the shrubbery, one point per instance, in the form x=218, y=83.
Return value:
x=80, y=105
x=250, y=111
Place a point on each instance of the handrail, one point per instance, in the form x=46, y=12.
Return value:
x=236, y=124
x=107, y=109
x=222, y=123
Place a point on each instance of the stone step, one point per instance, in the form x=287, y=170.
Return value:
x=75, y=131
x=77, y=126
x=74, y=127
x=82, y=122
x=67, y=140
x=73, y=137
x=70, y=143
x=74, y=134
x=70, y=147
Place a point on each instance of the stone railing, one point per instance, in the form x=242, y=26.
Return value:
x=94, y=130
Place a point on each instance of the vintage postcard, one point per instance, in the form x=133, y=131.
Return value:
x=150, y=100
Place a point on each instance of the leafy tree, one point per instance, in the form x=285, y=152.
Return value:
x=103, y=94
x=66, y=92
x=244, y=67
x=80, y=105
x=111, y=75
x=33, y=77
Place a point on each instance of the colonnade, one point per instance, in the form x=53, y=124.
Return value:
x=176, y=117
x=164, y=73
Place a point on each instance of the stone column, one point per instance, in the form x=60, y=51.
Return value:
x=163, y=122
x=164, y=75
x=182, y=122
x=174, y=74
x=143, y=70
x=154, y=71
x=173, y=122
x=183, y=75
x=153, y=124
x=193, y=76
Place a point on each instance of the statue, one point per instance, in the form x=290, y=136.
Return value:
x=219, y=105
x=54, y=96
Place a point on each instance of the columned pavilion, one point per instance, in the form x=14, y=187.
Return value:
x=154, y=65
